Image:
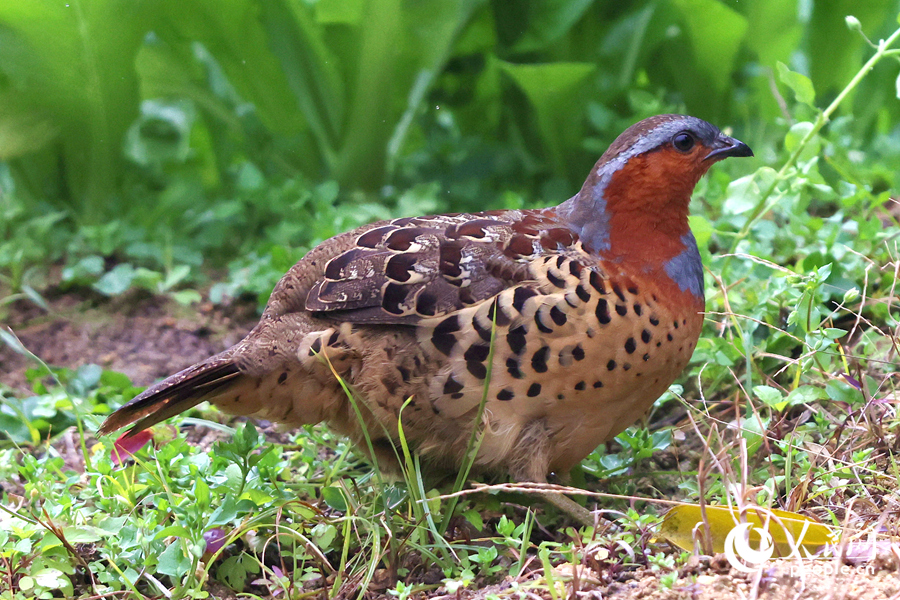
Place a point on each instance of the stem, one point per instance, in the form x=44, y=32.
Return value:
x=761, y=207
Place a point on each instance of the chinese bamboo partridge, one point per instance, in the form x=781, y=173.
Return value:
x=594, y=307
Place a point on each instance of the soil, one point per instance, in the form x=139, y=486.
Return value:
x=149, y=337
x=142, y=336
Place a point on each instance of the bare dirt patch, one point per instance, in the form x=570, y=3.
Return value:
x=145, y=337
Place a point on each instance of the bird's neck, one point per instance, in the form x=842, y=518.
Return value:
x=643, y=227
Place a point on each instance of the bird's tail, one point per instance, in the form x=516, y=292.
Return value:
x=175, y=394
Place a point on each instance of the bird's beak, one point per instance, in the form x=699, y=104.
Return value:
x=725, y=146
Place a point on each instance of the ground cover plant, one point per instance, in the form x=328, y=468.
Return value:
x=176, y=160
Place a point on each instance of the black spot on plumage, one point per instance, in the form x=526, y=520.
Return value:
x=540, y=324
x=654, y=321
x=646, y=357
x=512, y=367
x=517, y=338
x=582, y=293
x=334, y=337
x=498, y=316
x=621, y=309
x=448, y=325
x=483, y=332
x=560, y=396
x=476, y=368
x=521, y=295
x=315, y=347
x=598, y=384
x=580, y=385
x=533, y=390
x=426, y=304
x=630, y=345
x=675, y=324
x=638, y=309
x=578, y=352
x=632, y=290
x=477, y=352
x=558, y=316
x=457, y=395
x=611, y=365
x=390, y=385
x=626, y=366
x=398, y=267
x=555, y=280
x=575, y=268
x=505, y=394
x=669, y=337
x=393, y=297
x=452, y=386
x=443, y=336
x=618, y=292
x=597, y=282
x=645, y=336
x=539, y=360
x=560, y=260
x=603, y=312
x=404, y=374
x=282, y=378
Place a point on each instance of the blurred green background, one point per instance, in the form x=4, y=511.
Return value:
x=149, y=139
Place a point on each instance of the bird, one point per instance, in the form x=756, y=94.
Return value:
x=548, y=330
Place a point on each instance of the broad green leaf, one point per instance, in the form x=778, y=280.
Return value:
x=542, y=22
x=173, y=561
x=770, y=396
x=73, y=64
x=805, y=394
x=716, y=32
x=334, y=498
x=553, y=89
x=681, y=522
x=800, y=84
x=116, y=281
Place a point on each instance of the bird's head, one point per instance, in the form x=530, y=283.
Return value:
x=642, y=185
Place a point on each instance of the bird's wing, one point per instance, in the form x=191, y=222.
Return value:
x=419, y=268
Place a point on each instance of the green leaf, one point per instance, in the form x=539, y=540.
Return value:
x=800, y=84
x=334, y=498
x=117, y=281
x=716, y=32
x=770, y=396
x=805, y=394
x=173, y=561
x=553, y=89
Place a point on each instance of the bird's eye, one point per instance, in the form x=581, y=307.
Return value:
x=683, y=141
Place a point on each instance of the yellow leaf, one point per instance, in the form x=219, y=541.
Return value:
x=684, y=523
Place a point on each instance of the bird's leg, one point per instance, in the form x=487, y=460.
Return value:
x=532, y=462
